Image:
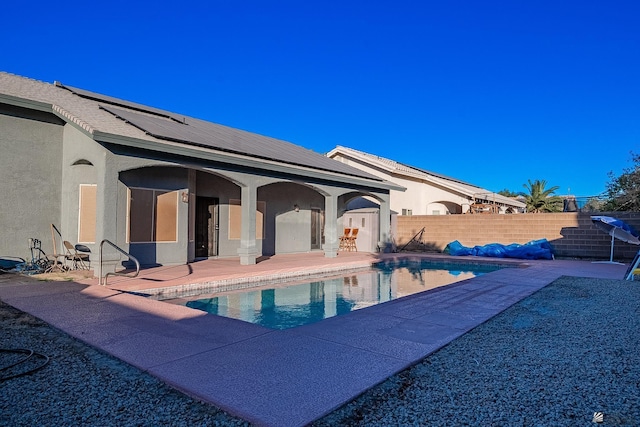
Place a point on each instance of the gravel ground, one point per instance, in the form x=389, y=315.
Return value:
x=81, y=386
x=553, y=359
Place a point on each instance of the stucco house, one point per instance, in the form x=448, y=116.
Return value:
x=164, y=187
x=427, y=193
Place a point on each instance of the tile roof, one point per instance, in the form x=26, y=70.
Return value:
x=442, y=180
x=100, y=114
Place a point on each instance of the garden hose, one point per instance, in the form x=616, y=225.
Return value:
x=29, y=354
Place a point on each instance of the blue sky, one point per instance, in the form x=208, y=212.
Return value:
x=490, y=92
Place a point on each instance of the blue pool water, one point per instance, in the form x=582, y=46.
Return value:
x=283, y=307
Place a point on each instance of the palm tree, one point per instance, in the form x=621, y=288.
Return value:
x=540, y=199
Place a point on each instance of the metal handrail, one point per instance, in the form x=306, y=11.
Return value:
x=128, y=255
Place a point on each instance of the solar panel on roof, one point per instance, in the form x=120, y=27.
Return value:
x=116, y=101
x=212, y=135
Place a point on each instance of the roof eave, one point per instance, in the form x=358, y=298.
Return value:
x=245, y=161
x=25, y=103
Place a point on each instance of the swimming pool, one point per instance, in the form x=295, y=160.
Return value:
x=288, y=306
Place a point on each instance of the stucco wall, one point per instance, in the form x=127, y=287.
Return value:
x=417, y=196
x=288, y=231
x=571, y=234
x=77, y=147
x=30, y=178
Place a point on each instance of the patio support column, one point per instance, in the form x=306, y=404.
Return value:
x=248, y=250
x=191, y=226
x=331, y=243
x=384, y=238
x=106, y=214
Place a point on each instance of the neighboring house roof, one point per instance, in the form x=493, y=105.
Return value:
x=400, y=169
x=117, y=121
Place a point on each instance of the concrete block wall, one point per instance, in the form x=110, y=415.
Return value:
x=571, y=234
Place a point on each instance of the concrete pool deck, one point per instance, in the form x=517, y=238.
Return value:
x=278, y=378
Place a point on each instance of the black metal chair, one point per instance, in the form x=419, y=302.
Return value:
x=78, y=260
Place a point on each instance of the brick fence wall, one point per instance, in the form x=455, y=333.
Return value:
x=572, y=235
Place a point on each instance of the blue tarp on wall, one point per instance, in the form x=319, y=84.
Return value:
x=535, y=249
